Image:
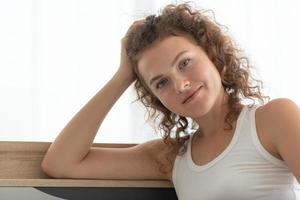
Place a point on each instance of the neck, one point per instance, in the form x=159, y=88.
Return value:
x=213, y=122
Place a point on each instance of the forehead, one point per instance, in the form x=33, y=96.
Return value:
x=159, y=56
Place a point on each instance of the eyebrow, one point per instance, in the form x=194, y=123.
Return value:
x=172, y=64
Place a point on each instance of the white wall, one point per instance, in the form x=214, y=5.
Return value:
x=55, y=55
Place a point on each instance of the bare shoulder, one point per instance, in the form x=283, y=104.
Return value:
x=277, y=110
x=282, y=121
x=275, y=120
x=136, y=162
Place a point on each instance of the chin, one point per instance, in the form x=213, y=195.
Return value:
x=200, y=111
x=196, y=113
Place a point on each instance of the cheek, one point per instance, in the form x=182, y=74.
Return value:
x=208, y=74
x=215, y=75
x=167, y=99
x=199, y=72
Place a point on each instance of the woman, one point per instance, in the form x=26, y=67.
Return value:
x=188, y=72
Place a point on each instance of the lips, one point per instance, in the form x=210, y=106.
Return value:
x=191, y=95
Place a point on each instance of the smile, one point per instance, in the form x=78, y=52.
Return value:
x=192, y=97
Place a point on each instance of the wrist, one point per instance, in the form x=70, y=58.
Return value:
x=124, y=77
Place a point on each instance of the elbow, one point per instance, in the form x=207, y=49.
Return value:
x=51, y=170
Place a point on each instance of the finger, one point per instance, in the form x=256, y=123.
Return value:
x=133, y=25
x=136, y=23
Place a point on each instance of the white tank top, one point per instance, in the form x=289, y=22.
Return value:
x=244, y=170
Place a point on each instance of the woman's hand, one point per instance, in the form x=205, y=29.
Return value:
x=125, y=69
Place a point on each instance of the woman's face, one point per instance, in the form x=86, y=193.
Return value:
x=176, y=69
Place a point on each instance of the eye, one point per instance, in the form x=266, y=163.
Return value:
x=184, y=63
x=161, y=83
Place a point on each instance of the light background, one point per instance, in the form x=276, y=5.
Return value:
x=55, y=55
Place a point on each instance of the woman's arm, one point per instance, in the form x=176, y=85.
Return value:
x=71, y=154
x=282, y=119
x=75, y=140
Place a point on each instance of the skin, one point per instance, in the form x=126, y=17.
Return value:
x=278, y=134
x=71, y=155
x=192, y=70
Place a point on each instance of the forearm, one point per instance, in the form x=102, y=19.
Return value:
x=75, y=140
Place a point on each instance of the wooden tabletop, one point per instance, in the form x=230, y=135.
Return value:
x=20, y=165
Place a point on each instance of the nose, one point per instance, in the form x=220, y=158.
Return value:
x=181, y=84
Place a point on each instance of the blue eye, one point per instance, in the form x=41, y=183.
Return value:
x=184, y=63
x=161, y=83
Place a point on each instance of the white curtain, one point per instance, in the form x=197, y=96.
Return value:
x=55, y=55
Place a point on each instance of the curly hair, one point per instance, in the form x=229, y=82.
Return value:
x=233, y=67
